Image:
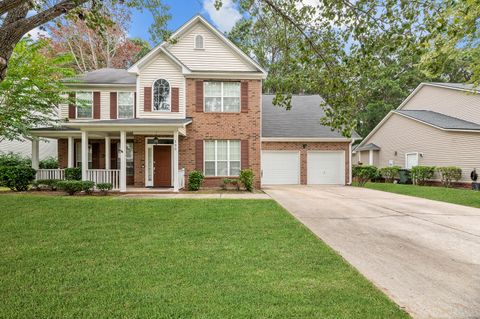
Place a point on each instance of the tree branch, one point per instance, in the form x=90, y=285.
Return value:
x=7, y=5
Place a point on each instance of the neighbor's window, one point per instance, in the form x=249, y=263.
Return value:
x=78, y=155
x=125, y=105
x=222, y=96
x=84, y=103
x=129, y=155
x=222, y=158
x=161, y=95
x=199, y=42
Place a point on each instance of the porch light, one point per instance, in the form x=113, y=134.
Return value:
x=156, y=140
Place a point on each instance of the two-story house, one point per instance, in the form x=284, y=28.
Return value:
x=193, y=103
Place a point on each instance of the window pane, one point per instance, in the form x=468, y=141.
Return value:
x=234, y=168
x=235, y=150
x=213, y=89
x=150, y=161
x=222, y=168
x=84, y=104
x=231, y=104
x=209, y=150
x=222, y=149
x=125, y=98
x=125, y=111
x=209, y=168
x=161, y=95
x=231, y=89
x=213, y=104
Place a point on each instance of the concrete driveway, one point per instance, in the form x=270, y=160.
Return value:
x=424, y=254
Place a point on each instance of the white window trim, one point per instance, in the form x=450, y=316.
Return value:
x=169, y=96
x=133, y=105
x=216, y=159
x=411, y=153
x=221, y=98
x=195, y=42
x=76, y=106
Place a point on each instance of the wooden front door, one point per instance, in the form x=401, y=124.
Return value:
x=162, y=166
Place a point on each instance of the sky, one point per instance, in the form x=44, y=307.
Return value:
x=182, y=10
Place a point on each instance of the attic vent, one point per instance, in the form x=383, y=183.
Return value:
x=199, y=42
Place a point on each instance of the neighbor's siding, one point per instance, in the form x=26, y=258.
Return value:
x=460, y=104
x=47, y=148
x=439, y=148
x=216, y=55
x=161, y=67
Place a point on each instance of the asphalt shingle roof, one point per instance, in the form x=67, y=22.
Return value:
x=302, y=120
x=462, y=86
x=367, y=147
x=440, y=120
x=105, y=76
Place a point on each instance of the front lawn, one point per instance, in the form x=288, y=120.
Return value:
x=110, y=257
x=464, y=197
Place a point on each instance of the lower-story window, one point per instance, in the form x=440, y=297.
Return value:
x=78, y=155
x=222, y=157
x=129, y=155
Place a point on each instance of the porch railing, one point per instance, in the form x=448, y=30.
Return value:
x=181, y=178
x=105, y=176
x=50, y=174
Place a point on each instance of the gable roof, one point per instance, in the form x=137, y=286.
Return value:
x=184, y=28
x=439, y=120
x=302, y=121
x=107, y=76
x=367, y=147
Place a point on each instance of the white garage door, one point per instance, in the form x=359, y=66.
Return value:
x=326, y=167
x=280, y=167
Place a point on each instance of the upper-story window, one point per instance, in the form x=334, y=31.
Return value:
x=161, y=95
x=222, y=96
x=84, y=105
x=125, y=105
x=199, y=44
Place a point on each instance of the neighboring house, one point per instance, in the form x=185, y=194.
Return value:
x=437, y=125
x=48, y=148
x=192, y=104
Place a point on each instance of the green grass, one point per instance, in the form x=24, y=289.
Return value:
x=450, y=195
x=85, y=257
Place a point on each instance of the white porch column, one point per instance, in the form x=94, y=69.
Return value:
x=123, y=161
x=108, y=152
x=175, y=161
x=370, y=157
x=35, y=153
x=70, y=161
x=84, y=155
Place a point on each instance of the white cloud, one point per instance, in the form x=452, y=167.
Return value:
x=37, y=33
x=226, y=17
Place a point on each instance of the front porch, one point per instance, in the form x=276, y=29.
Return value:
x=139, y=156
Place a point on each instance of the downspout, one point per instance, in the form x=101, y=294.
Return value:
x=350, y=162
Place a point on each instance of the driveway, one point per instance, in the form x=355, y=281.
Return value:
x=424, y=254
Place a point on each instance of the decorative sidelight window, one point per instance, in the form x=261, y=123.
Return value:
x=161, y=96
x=222, y=158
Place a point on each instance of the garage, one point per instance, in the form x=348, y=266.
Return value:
x=280, y=167
x=325, y=167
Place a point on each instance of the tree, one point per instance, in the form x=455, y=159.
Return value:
x=31, y=90
x=93, y=50
x=15, y=21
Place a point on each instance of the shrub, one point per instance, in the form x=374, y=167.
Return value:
x=230, y=181
x=364, y=173
x=73, y=174
x=13, y=159
x=46, y=183
x=449, y=174
x=246, y=178
x=389, y=173
x=70, y=186
x=195, y=180
x=420, y=174
x=87, y=187
x=104, y=187
x=18, y=177
x=49, y=163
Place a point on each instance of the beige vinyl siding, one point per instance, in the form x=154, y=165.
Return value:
x=439, y=148
x=47, y=148
x=104, y=100
x=161, y=67
x=460, y=104
x=216, y=55
x=363, y=157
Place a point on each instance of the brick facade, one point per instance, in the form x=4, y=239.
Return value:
x=139, y=161
x=310, y=146
x=236, y=126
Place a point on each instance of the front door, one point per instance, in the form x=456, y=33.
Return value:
x=162, y=166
